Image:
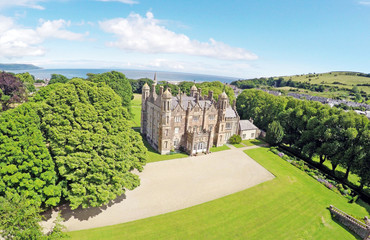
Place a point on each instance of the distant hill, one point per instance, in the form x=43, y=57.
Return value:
x=17, y=66
x=341, y=79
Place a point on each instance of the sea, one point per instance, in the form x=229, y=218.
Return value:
x=131, y=74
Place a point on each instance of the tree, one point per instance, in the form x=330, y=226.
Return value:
x=58, y=78
x=118, y=82
x=275, y=133
x=28, y=80
x=89, y=136
x=138, y=84
x=26, y=166
x=11, y=90
x=235, y=139
x=20, y=219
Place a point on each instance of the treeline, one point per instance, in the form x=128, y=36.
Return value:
x=280, y=82
x=313, y=129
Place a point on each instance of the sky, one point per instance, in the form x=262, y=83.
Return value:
x=235, y=38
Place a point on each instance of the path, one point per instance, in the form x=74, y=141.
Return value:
x=172, y=185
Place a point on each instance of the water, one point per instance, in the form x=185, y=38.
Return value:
x=132, y=74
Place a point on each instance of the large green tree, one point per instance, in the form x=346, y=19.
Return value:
x=58, y=78
x=118, y=82
x=275, y=133
x=28, y=80
x=91, y=141
x=26, y=166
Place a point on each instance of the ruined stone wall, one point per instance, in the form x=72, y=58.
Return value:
x=352, y=223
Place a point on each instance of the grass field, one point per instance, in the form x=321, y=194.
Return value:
x=253, y=142
x=292, y=206
x=339, y=79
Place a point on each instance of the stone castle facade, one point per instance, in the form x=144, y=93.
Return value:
x=192, y=123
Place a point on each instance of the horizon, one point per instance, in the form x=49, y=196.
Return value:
x=240, y=40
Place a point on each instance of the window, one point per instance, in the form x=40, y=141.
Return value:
x=211, y=117
x=165, y=144
x=164, y=106
x=228, y=125
x=177, y=130
x=166, y=132
x=195, y=128
x=244, y=136
x=252, y=135
x=221, y=138
x=195, y=118
x=222, y=128
x=176, y=142
x=167, y=119
x=210, y=128
x=178, y=119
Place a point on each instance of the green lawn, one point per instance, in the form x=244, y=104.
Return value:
x=217, y=149
x=136, y=110
x=253, y=142
x=291, y=206
x=238, y=145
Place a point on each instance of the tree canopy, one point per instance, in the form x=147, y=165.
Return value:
x=58, y=78
x=91, y=142
x=12, y=90
x=28, y=80
x=314, y=129
x=118, y=82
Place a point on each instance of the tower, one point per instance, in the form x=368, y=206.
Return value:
x=222, y=104
x=164, y=141
x=144, y=111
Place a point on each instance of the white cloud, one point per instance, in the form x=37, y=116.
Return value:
x=22, y=3
x=367, y=3
x=146, y=35
x=56, y=29
x=122, y=1
x=18, y=41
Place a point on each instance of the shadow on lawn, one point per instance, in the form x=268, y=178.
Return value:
x=348, y=230
x=80, y=213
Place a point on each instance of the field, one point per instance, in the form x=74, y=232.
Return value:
x=292, y=206
x=340, y=79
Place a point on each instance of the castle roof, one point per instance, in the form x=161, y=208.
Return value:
x=230, y=113
x=223, y=95
x=146, y=86
x=185, y=100
x=167, y=94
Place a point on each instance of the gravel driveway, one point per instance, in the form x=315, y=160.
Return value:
x=172, y=185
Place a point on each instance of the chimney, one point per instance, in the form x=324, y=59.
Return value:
x=234, y=104
x=160, y=90
x=197, y=98
x=200, y=92
x=251, y=120
x=210, y=95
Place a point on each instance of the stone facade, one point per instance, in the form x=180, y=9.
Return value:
x=192, y=123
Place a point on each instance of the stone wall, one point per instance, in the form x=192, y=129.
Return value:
x=352, y=223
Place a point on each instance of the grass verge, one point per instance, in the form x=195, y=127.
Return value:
x=292, y=206
x=217, y=149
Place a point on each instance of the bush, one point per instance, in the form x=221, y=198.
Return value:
x=235, y=139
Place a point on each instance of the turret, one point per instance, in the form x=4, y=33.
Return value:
x=145, y=92
x=223, y=101
x=166, y=100
x=193, y=91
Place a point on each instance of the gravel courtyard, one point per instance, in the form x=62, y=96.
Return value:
x=172, y=185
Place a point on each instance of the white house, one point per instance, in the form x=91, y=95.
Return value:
x=247, y=130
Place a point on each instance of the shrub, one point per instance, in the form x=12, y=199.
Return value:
x=235, y=139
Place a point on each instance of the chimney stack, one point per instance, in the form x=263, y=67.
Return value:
x=160, y=90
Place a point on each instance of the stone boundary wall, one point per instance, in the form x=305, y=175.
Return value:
x=358, y=227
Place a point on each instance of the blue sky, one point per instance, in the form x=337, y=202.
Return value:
x=232, y=38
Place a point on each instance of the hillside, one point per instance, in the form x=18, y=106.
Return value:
x=340, y=79
x=17, y=66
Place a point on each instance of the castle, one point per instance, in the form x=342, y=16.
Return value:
x=192, y=123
